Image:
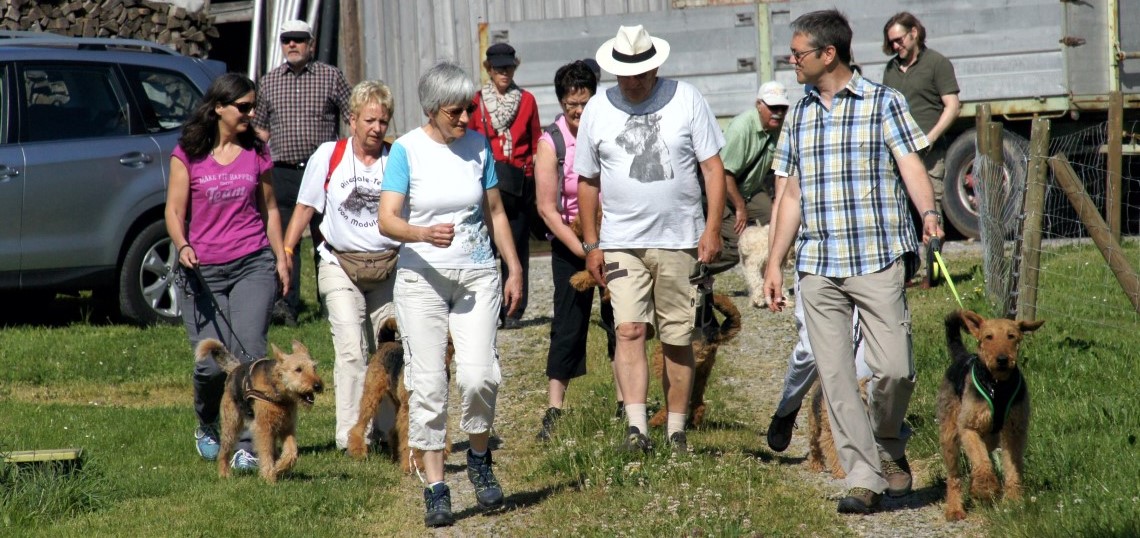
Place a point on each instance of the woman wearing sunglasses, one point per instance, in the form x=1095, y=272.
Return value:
x=222, y=219
x=440, y=198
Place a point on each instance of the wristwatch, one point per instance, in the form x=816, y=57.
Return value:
x=587, y=247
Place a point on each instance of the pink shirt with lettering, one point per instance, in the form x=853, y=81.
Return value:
x=224, y=221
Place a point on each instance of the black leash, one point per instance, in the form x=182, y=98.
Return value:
x=197, y=271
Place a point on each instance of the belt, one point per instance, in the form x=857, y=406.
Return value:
x=291, y=166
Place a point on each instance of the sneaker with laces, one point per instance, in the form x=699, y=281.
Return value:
x=635, y=441
x=437, y=504
x=780, y=430
x=206, y=441
x=680, y=443
x=859, y=501
x=488, y=493
x=244, y=462
x=548, y=421
x=897, y=475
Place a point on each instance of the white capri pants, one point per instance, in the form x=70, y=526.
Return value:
x=429, y=302
x=354, y=317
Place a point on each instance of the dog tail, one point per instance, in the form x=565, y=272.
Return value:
x=731, y=324
x=213, y=349
x=388, y=330
x=392, y=355
x=954, y=326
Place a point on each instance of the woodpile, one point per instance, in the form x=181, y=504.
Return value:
x=167, y=24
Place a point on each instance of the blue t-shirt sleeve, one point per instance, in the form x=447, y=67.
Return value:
x=397, y=175
x=489, y=177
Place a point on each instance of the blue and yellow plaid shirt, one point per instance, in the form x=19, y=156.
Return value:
x=853, y=208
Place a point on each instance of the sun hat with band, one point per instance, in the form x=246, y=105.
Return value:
x=632, y=52
x=296, y=30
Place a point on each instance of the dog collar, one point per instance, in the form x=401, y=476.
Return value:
x=1000, y=396
x=247, y=384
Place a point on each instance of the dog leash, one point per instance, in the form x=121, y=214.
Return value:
x=936, y=248
x=197, y=271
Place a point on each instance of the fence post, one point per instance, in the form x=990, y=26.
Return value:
x=1098, y=229
x=1034, y=213
x=1112, y=191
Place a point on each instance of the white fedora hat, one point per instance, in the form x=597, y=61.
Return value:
x=632, y=52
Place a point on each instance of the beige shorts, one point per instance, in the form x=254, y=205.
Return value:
x=652, y=286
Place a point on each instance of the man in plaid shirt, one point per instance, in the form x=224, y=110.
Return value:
x=849, y=150
x=300, y=105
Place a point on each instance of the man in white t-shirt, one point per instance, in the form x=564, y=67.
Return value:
x=645, y=145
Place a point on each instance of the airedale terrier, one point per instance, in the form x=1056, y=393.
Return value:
x=983, y=403
x=263, y=395
x=704, y=354
x=821, y=445
x=385, y=380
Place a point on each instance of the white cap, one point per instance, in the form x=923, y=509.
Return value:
x=773, y=94
x=297, y=28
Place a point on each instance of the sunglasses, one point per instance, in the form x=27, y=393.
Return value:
x=288, y=40
x=245, y=107
x=455, y=112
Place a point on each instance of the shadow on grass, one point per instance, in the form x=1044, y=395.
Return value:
x=317, y=448
x=515, y=501
x=33, y=309
x=919, y=498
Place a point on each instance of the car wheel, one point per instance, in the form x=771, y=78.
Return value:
x=960, y=202
x=147, y=293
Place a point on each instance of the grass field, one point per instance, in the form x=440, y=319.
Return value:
x=123, y=395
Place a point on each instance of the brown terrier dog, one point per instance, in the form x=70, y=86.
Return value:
x=821, y=445
x=263, y=395
x=384, y=380
x=704, y=354
x=983, y=403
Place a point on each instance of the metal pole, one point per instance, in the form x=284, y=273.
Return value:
x=255, y=39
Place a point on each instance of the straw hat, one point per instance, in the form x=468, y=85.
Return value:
x=632, y=52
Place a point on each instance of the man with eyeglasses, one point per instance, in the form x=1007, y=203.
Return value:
x=926, y=78
x=300, y=105
x=849, y=150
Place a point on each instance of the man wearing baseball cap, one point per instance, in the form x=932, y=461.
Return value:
x=300, y=105
x=750, y=143
x=640, y=145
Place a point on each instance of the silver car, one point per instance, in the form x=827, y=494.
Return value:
x=87, y=126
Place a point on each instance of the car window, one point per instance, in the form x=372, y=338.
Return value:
x=3, y=105
x=72, y=101
x=167, y=97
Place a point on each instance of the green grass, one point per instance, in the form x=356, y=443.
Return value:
x=123, y=395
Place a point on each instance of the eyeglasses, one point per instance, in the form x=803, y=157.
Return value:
x=898, y=40
x=569, y=105
x=245, y=107
x=288, y=40
x=799, y=56
x=456, y=111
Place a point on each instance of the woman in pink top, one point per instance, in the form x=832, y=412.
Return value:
x=574, y=85
x=222, y=217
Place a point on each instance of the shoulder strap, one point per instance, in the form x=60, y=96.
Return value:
x=334, y=160
x=555, y=133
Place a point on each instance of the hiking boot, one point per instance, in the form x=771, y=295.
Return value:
x=780, y=430
x=244, y=462
x=548, y=420
x=897, y=475
x=487, y=491
x=679, y=442
x=206, y=441
x=437, y=503
x=859, y=501
x=635, y=441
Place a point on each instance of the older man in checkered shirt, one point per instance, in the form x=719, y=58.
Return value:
x=300, y=105
x=843, y=148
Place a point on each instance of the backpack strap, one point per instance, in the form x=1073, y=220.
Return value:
x=560, y=152
x=334, y=160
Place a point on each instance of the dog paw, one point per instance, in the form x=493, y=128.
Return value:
x=955, y=514
x=984, y=489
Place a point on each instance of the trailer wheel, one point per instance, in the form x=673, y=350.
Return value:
x=959, y=202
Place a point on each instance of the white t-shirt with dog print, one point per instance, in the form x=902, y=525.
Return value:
x=351, y=203
x=649, y=166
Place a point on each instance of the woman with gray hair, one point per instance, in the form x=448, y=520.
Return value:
x=441, y=199
x=342, y=183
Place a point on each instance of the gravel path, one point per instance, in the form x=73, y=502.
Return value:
x=767, y=340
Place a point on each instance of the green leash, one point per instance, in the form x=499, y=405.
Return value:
x=936, y=248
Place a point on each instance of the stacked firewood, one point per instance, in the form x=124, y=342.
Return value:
x=164, y=23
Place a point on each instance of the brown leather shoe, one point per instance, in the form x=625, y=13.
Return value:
x=859, y=501
x=897, y=475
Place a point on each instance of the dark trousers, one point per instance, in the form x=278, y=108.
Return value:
x=286, y=184
x=516, y=210
x=567, y=356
